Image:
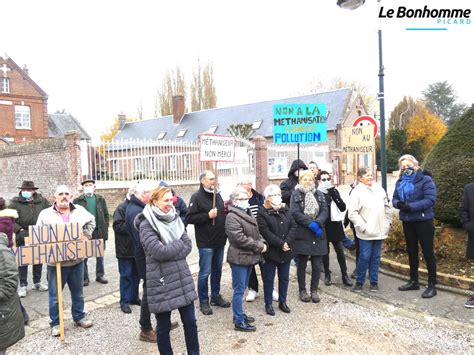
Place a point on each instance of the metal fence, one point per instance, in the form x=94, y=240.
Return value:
x=116, y=162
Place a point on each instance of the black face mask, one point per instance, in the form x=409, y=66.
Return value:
x=408, y=171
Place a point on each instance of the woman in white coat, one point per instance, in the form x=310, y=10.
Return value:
x=370, y=211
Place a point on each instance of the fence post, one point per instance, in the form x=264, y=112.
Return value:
x=73, y=170
x=261, y=157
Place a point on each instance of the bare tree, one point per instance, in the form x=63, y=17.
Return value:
x=174, y=83
x=203, y=90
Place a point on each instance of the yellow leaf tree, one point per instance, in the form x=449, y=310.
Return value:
x=425, y=128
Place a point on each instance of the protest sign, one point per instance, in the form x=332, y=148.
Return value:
x=213, y=147
x=358, y=140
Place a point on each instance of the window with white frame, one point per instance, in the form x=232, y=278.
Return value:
x=5, y=85
x=173, y=163
x=181, y=133
x=282, y=154
x=22, y=117
x=115, y=169
x=213, y=129
x=152, y=162
x=138, y=164
x=162, y=135
x=256, y=124
x=187, y=161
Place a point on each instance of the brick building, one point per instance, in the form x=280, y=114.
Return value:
x=23, y=105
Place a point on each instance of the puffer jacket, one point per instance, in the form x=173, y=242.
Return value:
x=170, y=284
x=102, y=221
x=288, y=186
x=12, y=328
x=245, y=242
x=421, y=201
x=370, y=212
x=304, y=241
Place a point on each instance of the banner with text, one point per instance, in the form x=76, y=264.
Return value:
x=358, y=140
x=299, y=123
x=213, y=147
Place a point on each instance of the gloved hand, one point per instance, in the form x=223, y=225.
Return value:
x=332, y=191
x=403, y=206
x=314, y=226
x=20, y=238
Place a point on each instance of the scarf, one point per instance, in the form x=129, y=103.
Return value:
x=311, y=206
x=168, y=225
x=406, y=187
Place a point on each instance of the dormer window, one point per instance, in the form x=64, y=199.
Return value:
x=256, y=124
x=162, y=135
x=181, y=133
x=5, y=85
x=213, y=129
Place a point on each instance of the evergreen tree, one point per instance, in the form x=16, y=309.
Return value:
x=441, y=99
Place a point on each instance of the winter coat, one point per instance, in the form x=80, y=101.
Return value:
x=77, y=214
x=276, y=227
x=123, y=238
x=304, y=240
x=134, y=208
x=245, y=242
x=334, y=230
x=181, y=207
x=208, y=235
x=288, y=186
x=7, y=224
x=170, y=284
x=12, y=328
x=369, y=210
x=102, y=221
x=28, y=212
x=466, y=209
x=421, y=201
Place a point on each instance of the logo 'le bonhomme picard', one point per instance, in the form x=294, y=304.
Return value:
x=442, y=16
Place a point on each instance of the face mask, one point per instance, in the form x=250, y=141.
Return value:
x=276, y=201
x=408, y=171
x=326, y=184
x=243, y=205
x=88, y=190
x=26, y=194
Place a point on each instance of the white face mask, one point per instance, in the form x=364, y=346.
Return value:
x=88, y=190
x=326, y=184
x=276, y=201
x=243, y=204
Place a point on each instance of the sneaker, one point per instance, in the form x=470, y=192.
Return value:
x=83, y=323
x=55, y=332
x=275, y=295
x=374, y=288
x=314, y=296
x=470, y=302
x=40, y=287
x=251, y=295
x=102, y=280
x=219, y=301
x=148, y=336
x=357, y=287
x=304, y=296
x=22, y=291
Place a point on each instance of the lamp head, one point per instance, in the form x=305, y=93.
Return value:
x=350, y=4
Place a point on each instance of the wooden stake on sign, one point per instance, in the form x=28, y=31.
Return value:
x=214, y=192
x=60, y=300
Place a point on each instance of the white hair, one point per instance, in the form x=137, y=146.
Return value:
x=236, y=192
x=271, y=190
x=408, y=157
x=244, y=180
x=146, y=186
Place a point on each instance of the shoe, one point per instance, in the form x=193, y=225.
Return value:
x=374, y=288
x=327, y=278
x=470, y=302
x=412, y=285
x=148, y=336
x=314, y=297
x=205, y=309
x=269, y=309
x=304, y=296
x=244, y=327
x=354, y=274
x=40, y=287
x=251, y=295
x=83, y=323
x=22, y=291
x=248, y=319
x=357, y=287
x=126, y=308
x=284, y=307
x=86, y=282
x=346, y=280
x=174, y=325
x=102, y=280
x=55, y=332
x=219, y=301
x=137, y=302
x=429, y=292
x=275, y=295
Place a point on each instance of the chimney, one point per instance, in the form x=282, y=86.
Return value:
x=178, y=108
x=25, y=69
x=122, y=118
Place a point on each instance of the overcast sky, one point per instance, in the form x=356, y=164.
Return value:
x=98, y=58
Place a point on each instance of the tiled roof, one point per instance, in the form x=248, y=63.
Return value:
x=60, y=123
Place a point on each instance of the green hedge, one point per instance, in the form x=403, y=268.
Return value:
x=452, y=164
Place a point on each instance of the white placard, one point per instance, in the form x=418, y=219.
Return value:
x=214, y=147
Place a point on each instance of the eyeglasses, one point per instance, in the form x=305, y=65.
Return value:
x=324, y=179
x=241, y=199
x=274, y=195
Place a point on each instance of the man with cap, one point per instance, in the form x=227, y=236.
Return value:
x=72, y=271
x=29, y=203
x=95, y=204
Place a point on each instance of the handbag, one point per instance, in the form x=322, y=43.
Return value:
x=336, y=214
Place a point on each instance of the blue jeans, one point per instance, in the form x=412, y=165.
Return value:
x=129, y=281
x=369, y=259
x=163, y=327
x=268, y=276
x=210, y=263
x=73, y=276
x=240, y=280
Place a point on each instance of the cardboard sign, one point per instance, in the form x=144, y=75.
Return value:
x=213, y=147
x=358, y=140
x=53, y=233
x=299, y=123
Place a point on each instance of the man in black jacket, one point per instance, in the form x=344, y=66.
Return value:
x=466, y=212
x=209, y=227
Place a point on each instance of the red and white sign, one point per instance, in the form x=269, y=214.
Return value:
x=366, y=121
x=214, y=147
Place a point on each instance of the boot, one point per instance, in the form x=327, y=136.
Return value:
x=430, y=291
x=412, y=285
x=346, y=280
x=304, y=296
x=314, y=296
x=327, y=278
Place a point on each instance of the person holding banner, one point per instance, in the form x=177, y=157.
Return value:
x=334, y=229
x=72, y=272
x=170, y=284
x=310, y=211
